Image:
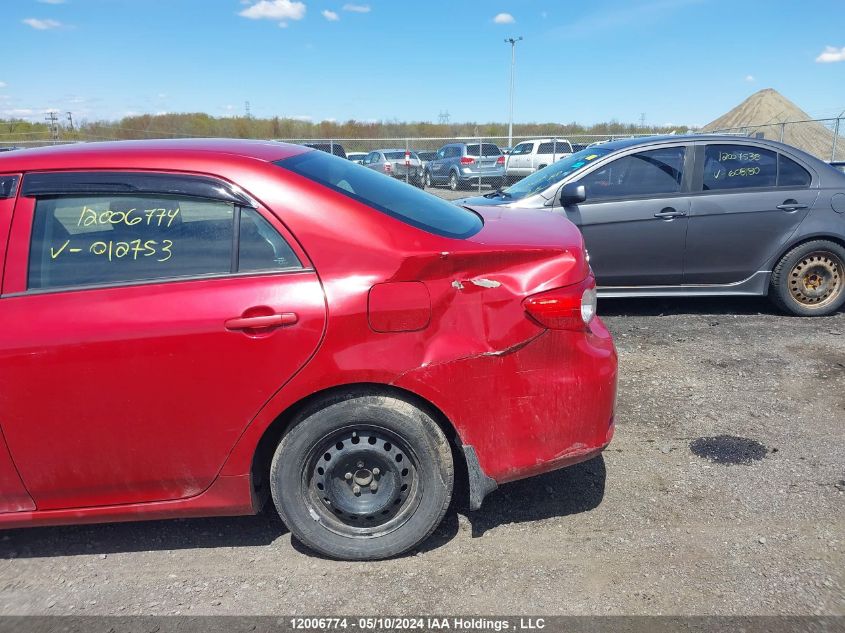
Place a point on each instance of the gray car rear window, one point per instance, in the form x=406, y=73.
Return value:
x=489, y=149
x=387, y=195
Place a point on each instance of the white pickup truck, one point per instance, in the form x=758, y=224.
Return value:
x=529, y=156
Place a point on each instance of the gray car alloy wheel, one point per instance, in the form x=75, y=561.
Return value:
x=816, y=279
x=453, y=181
x=427, y=179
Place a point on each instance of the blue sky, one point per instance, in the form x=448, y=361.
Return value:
x=676, y=61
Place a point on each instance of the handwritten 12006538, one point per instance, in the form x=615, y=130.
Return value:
x=134, y=249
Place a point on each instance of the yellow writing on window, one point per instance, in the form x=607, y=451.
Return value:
x=132, y=217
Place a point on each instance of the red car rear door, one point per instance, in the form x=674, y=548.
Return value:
x=142, y=334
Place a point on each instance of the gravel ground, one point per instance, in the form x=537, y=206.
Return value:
x=649, y=528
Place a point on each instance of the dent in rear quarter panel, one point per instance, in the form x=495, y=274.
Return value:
x=531, y=408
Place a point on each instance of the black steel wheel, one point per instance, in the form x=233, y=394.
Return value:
x=810, y=279
x=362, y=480
x=362, y=477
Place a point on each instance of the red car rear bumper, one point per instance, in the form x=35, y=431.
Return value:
x=535, y=407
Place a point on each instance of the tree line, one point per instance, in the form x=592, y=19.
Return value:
x=203, y=125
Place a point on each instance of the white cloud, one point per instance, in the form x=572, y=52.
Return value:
x=357, y=8
x=275, y=10
x=749, y=78
x=3, y=84
x=302, y=117
x=504, y=18
x=18, y=112
x=831, y=54
x=42, y=25
x=331, y=16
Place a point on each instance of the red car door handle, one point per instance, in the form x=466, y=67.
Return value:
x=264, y=321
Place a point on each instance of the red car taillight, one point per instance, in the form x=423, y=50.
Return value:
x=500, y=160
x=567, y=308
x=467, y=160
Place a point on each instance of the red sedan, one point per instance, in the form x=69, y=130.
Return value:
x=189, y=325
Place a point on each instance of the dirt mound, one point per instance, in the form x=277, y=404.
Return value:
x=763, y=113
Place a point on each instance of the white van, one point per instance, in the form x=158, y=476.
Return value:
x=529, y=156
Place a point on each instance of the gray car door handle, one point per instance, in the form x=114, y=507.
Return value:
x=668, y=213
x=791, y=205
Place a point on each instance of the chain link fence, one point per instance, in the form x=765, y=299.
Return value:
x=467, y=164
x=483, y=163
x=823, y=138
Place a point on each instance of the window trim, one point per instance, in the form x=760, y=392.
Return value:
x=58, y=183
x=159, y=280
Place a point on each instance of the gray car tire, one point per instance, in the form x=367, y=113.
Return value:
x=810, y=279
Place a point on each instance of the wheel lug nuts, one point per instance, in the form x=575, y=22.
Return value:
x=356, y=489
x=360, y=464
x=374, y=486
x=376, y=472
x=347, y=476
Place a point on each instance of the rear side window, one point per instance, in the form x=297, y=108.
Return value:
x=260, y=247
x=738, y=167
x=388, y=195
x=8, y=186
x=111, y=239
x=489, y=149
x=554, y=148
x=654, y=172
x=791, y=174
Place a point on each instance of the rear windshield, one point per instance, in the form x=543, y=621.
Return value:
x=397, y=155
x=388, y=195
x=489, y=149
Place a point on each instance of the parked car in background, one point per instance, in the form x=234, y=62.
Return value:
x=838, y=165
x=302, y=347
x=529, y=156
x=356, y=157
x=8, y=149
x=700, y=215
x=392, y=162
x=460, y=164
x=330, y=148
x=425, y=157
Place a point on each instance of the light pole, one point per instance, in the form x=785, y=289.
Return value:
x=835, y=136
x=512, y=41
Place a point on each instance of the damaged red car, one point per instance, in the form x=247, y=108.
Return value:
x=192, y=327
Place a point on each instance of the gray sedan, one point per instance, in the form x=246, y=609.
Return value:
x=700, y=215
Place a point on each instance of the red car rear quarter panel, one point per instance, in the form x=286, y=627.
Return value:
x=518, y=393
